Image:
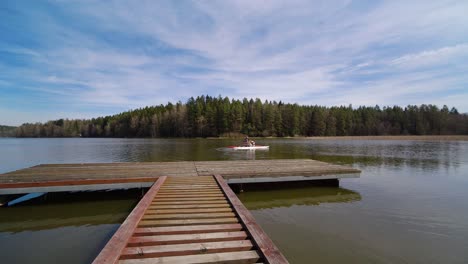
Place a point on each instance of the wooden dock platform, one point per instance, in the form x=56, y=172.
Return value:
x=99, y=176
x=194, y=219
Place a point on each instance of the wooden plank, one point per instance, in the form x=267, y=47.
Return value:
x=191, y=189
x=190, y=195
x=175, y=193
x=188, y=187
x=188, y=206
x=186, y=249
x=207, y=178
x=194, y=194
x=193, y=229
x=194, y=191
x=189, y=184
x=240, y=257
x=150, y=223
x=139, y=241
x=187, y=216
x=75, y=182
x=175, y=199
x=184, y=187
x=188, y=211
x=188, y=202
x=117, y=243
x=266, y=246
x=182, y=181
x=200, y=182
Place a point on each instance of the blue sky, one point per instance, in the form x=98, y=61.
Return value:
x=86, y=58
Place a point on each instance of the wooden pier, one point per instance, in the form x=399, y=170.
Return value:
x=189, y=215
x=101, y=176
x=194, y=219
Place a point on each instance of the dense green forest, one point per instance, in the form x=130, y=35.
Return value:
x=207, y=116
x=7, y=131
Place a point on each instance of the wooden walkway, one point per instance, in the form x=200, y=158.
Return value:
x=96, y=176
x=195, y=219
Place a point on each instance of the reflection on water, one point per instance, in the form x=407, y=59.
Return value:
x=64, y=228
x=408, y=206
x=68, y=209
x=250, y=154
x=297, y=196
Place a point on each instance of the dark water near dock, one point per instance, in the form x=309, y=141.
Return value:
x=409, y=206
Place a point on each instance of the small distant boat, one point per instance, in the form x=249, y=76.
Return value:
x=249, y=147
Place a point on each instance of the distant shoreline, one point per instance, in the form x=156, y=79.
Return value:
x=408, y=137
x=401, y=137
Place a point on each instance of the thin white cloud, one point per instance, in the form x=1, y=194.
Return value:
x=439, y=56
x=20, y=51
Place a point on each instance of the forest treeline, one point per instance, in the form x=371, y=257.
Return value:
x=207, y=116
x=7, y=131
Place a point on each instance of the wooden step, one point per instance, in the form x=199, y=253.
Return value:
x=159, y=206
x=186, y=249
x=189, y=195
x=191, y=192
x=157, y=199
x=188, y=211
x=149, y=223
x=139, y=241
x=187, y=216
x=240, y=257
x=193, y=229
x=159, y=202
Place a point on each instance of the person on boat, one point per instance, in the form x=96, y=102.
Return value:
x=246, y=141
x=252, y=143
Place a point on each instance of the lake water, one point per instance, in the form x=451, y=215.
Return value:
x=410, y=204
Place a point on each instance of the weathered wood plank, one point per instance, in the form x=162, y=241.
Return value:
x=193, y=229
x=151, y=223
x=139, y=241
x=75, y=182
x=241, y=257
x=190, y=189
x=187, y=216
x=189, y=194
x=188, y=202
x=188, y=206
x=189, y=186
x=185, y=249
x=182, y=180
x=188, y=211
x=171, y=199
x=117, y=243
x=192, y=196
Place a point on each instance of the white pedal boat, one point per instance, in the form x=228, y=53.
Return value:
x=248, y=147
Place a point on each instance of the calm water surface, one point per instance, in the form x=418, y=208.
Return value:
x=409, y=206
